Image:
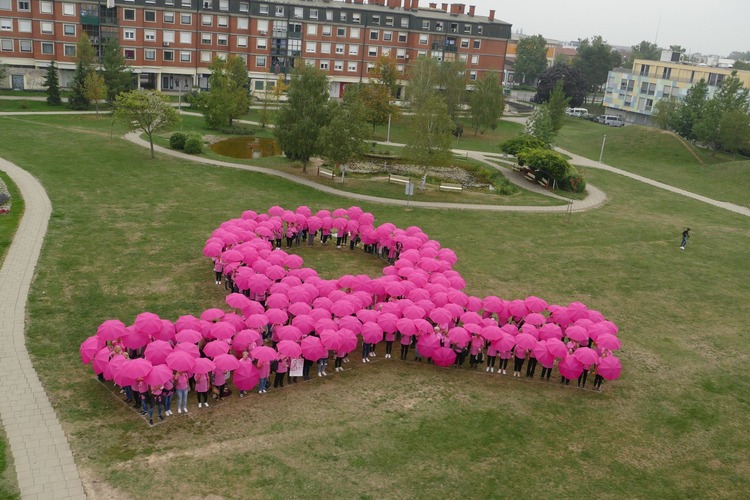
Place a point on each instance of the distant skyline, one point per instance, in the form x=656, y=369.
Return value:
x=717, y=27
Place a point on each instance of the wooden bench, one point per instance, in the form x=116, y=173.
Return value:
x=398, y=179
x=452, y=188
x=322, y=172
x=530, y=176
x=544, y=182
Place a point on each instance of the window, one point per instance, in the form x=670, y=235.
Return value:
x=389, y=21
x=339, y=48
x=128, y=14
x=387, y=36
x=313, y=13
x=400, y=53
x=463, y=58
x=47, y=27
x=167, y=36
x=263, y=9
x=25, y=45
x=207, y=20
x=464, y=43
x=222, y=21
x=329, y=15
x=352, y=66
x=644, y=87
x=667, y=73
x=354, y=33
x=479, y=30
x=423, y=39
x=224, y=5
x=400, y=68
x=48, y=48
x=149, y=35
x=149, y=54
x=402, y=37
x=69, y=9
x=205, y=56
x=262, y=27
x=374, y=34
x=45, y=7
x=298, y=12
x=312, y=29
x=184, y=56
x=260, y=61
x=24, y=26
x=475, y=59
x=404, y=22
x=472, y=75
x=6, y=45
x=624, y=84
x=69, y=29
x=168, y=55
x=421, y=53
x=439, y=26
x=244, y=7
x=651, y=88
x=24, y=5
x=222, y=40
x=261, y=43
x=206, y=38
x=241, y=41
x=186, y=37
x=5, y=5
x=477, y=44
x=467, y=28
x=425, y=25
x=169, y=17
x=338, y=66
x=353, y=50
x=385, y=51
x=279, y=11
x=129, y=54
x=128, y=34
x=311, y=47
x=326, y=31
x=325, y=48
x=149, y=16
x=372, y=51
x=69, y=50
x=186, y=3
x=324, y=65
x=243, y=23
x=649, y=104
x=454, y=27
x=341, y=32
x=370, y=67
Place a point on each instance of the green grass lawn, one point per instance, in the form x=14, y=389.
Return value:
x=667, y=160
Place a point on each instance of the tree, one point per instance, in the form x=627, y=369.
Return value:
x=299, y=121
x=117, y=74
x=516, y=144
x=556, y=106
x=596, y=59
x=432, y=126
x=343, y=138
x=539, y=125
x=424, y=80
x=730, y=96
x=3, y=72
x=385, y=73
x=486, y=102
x=734, y=131
x=52, y=85
x=644, y=50
x=146, y=111
x=84, y=65
x=666, y=112
x=574, y=84
x=550, y=162
x=94, y=88
x=452, y=81
x=531, y=58
x=227, y=97
x=743, y=65
x=691, y=110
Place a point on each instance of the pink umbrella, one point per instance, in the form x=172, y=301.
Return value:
x=203, y=366
x=608, y=341
x=578, y=310
x=275, y=272
x=167, y=331
x=459, y=336
x=525, y=341
x=387, y=322
x=256, y=321
x=264, y=354
x=237, y=300
x=90, y=347
x=157, y=352
x=441, y=315
x=518, y=308
x=586, y=356
x=277, y=301
x=148, y=323
x=289, y=349
x=304, y=323
x=313, y=349
x=372, y=333
x=406, y=326
x=427, y=344
x=570, y=367
x=134, y=339
x=535, y=319
x=471, y=317
x=493, y=304
x=244, y=338
x=491, y=332
x=246, y=376
x=159, y=375
x=444, y=356
x=213, y=349
x=226, y=362
x=113, y=367
x=212, y=314
x=577, y=333
x=191, y=349
x=188, y=322
x=136, y=368
x=348, y=341
x=189, y=335
x=505, y=343
x=299, y=308
x=557, y=348
x=222, y=331
x=609, y=367
x=111, y=329
x=277, y=316
x=331, y=339
x=535, y=304
x=344, y=307
x=180, y=361
x=288, y=332
x=101, y=360
x=550, y=331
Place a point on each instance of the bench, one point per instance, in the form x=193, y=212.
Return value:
x=544, y=182
x=398, y=179
x=452, y=188
x=530, y=176
x=322, y=172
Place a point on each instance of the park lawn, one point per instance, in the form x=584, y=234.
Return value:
x=126, y=235
x=668, y=159
x=7, y=105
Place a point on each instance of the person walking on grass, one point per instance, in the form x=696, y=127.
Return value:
x=685, y=238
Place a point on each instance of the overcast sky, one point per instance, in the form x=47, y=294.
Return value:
x=708, y=27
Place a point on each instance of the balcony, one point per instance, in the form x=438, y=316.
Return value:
x=441, y=47
x=294, y=34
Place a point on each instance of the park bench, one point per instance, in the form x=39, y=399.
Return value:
x=398, y=179
x=529, y=174
x=452, y=188
x=322, y=172
x=544, y=182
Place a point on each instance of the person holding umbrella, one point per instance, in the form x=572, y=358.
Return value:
x=218, y=270
x=219, y=382
x=265, y=372
x=168, y=392
x=281, y=369
x=155, y=397
x=520, y=357
x=182, y=386
x=491, y=357
x=201, y=388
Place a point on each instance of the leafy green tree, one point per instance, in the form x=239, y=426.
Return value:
x=452, y=82
x=227, y=98
x=734, y=131
x=551, y=163
x=3, y=72
x=730, y=96
x=486, y=102
x=556, y=106
x=666, y=112
x=146, y=111
x=574, y=84
x=299, y=121
x=117, y=74
x=531, y=58
x=596, y=59
x=94, y=88
x=743, y=65
x=539, y=125
x=85, y=57
x=52, y=85
x=516, y=144
x=385, y=73
x=424, y=80
x=343, y=138
x=432, y=127
x=644, y=50
x=691, y=110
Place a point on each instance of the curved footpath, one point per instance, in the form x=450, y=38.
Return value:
x=42, y=458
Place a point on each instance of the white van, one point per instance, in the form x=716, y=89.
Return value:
x=577, y=112
x=613, y=121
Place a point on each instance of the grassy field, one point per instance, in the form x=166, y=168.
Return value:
x=668, y=159
x=126, y=235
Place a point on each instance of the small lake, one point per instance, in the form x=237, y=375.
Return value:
x=247, y=147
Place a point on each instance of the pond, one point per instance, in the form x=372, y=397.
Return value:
x=247, y=147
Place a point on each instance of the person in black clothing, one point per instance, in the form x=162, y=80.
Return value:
x=685, y=238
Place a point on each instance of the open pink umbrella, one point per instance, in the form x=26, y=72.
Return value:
x=157, y=352
x=203, y=365
x=111, y=329
x=518, y=308
x=550, y=331
x=505, y=343
x=470, y=317
x=113, y=367
x=535, y=304
x=427, y=344
x=256, y=321
x=212, y=314
x=609, y=367
x=289, y=349
x=134, y=369
x=187, y=322
x=148, y=323
x=159, y=375
x=180, y=361
x=331, y=339
x=277, y=316
x=226, y=362
x=222, y=331
x=535, y=319
x=586, y=356
x=577, y=333
x=459, y=336
x=134, y=339
x=493, y=304
x=277, y=301
x=608, y=341
x=188, y=335
x=557, y=348
x=264, y=354
x=491, y=332
x=441, y=315
x=101, y=360
x=213, y=349
x=388, y=322
x=406, y=326
x=525, y=341
x=191, y=349
x=288, y=332
x=372, y=333
x=313, y=349
x=237, y=300
x=246, y=376
x=344, y=307
x=90, y=347
x=570, y=367
x=244, y=338
x=444, y=356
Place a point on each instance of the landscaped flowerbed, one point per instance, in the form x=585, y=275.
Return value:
x=5, y=199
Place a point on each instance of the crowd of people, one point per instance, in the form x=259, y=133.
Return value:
x=286, y=319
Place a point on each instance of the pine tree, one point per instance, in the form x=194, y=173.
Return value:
x=117, y=74
x=52, y=84
x=84, y=65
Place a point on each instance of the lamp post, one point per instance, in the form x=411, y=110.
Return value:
x=601, y=153
x=388, y=136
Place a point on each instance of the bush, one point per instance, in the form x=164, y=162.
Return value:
x=237, y=131
x=177, y=140
x=4, y=198
x=574, y=182
x=515, y=145
x=550, y=162
x=194, y=145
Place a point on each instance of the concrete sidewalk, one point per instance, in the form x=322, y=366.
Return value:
x=43, y=461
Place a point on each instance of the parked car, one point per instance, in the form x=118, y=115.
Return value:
x=613, y=121
x=577, y=112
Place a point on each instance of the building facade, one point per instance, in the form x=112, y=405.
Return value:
x=170, y=44
x=633, y=94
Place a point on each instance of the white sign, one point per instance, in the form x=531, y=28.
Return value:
x=295, y=367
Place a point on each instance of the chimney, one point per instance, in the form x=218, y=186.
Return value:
x=359, y=1
x=414, y=4
x=445, y=7
x=492, y=15
x=433, y=5
x=392, y=4
x=472, y=9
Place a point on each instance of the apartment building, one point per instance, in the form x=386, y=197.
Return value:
x=170, y=43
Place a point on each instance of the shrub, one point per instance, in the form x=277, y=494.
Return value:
x=574, y=182
x=237, y=131
x=177, y=140
x=550, y=162
x=4, y=198
x=194, y=145
x=515, y=145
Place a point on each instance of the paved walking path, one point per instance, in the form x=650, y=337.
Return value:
x=42, y=458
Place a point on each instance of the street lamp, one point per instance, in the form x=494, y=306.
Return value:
x=602, y=151
x=388, y=136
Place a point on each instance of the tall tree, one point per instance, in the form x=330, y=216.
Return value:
x=539, y=125
x=118, y=76
x=424, y=80
x=486, y=102
x=691, y=110
x=531, y=58
x=94, y=89
x=343, y=138
x=574, y=85
x=730, y=96
x=85, y=57
x=52, y=85
x=666, y=113
x=452, y=81
x=556, y=106
x=385, y=73
x=227, y=97
x=734, y=131
x=596, y=59
x=644, y=50
x=146, y=111
x=299, y=121
x=430, y=142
